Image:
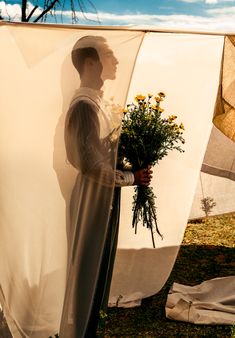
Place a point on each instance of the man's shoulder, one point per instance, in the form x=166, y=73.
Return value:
x=83, y=102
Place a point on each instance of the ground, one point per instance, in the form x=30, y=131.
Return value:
x=207, y=251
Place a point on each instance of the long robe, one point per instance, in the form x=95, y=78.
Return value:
x=91, y=142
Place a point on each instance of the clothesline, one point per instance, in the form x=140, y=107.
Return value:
x=146, y=29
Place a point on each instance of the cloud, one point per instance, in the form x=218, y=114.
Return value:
x=211, y=1
x=10, y=11
x=211, y=22
x=222, y=11
x=216, y=19
x=13, y=12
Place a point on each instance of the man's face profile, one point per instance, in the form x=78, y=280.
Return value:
x=93, y=53
x=109, y=62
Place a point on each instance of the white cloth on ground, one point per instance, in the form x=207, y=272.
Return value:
x=211, y=302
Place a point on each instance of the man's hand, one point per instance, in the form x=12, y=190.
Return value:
x=143, y=176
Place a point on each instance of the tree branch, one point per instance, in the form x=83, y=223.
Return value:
x=31, y=13
x=46, y=10
x=23, y=10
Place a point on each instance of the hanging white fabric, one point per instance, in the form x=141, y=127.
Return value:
x=38, y=83
x=37, y=179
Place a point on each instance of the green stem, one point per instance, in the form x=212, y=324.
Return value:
x=144, y=209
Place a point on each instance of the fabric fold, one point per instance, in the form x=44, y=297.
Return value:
x=211, y=302
x=224, y=118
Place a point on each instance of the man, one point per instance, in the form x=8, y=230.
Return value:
x=91, y=139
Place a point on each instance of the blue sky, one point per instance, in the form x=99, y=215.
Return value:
x=208, y=15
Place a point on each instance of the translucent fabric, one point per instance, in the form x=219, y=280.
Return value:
x=221, y=189
x=37, y=176
x=180, y=66
x=219, y=158
x=225, y=106
x=92, y=128
x=39, y=86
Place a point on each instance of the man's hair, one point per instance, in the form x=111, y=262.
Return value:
x=80, y=55
x=86, y=47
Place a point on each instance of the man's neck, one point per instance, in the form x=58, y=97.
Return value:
x=91, y=83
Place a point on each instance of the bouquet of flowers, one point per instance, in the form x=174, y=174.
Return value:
x=146, y=137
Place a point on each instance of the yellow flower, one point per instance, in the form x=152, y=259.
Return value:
x=161, y=94
x=172, y=117
x=158, y=99
x=140, y=97
x=150, y=95
x=125, y=111
x=161, y=110
x=181, y=126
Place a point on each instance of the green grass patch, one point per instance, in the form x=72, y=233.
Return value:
x=207, y=252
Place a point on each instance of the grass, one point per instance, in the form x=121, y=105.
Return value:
x=207, y=252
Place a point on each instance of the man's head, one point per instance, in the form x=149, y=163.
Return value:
x=80, y=56
x=94, y=49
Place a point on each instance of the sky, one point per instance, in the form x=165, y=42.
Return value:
x=202, y=15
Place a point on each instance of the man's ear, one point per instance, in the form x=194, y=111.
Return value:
x=90, y=62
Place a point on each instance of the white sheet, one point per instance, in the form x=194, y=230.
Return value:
x=211, y=302
x=36, y=87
